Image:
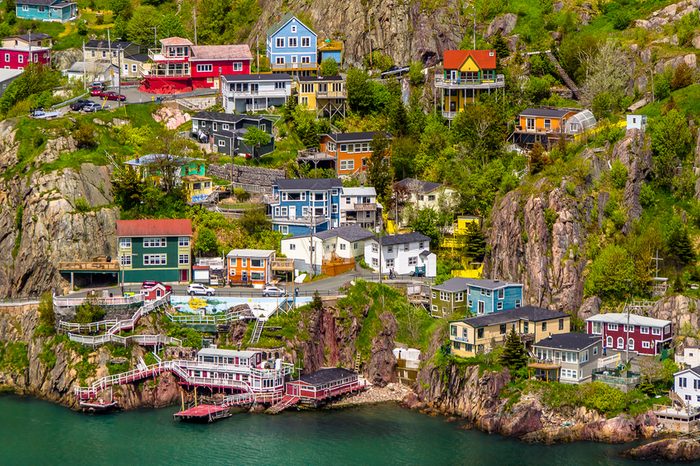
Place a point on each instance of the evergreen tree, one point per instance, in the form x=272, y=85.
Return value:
x=680, y=247
x=379, y=172
x=475, y=242
x=513, y=356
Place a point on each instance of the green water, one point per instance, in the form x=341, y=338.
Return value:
x=38, y=433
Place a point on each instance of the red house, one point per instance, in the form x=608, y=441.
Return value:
x=18, y=51
x=323, y=384
x=643, y=335
x=180, y=66
x=156, y=291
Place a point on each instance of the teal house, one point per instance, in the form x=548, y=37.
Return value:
x=159, y=250
x=150, y=166
x=46, y=10
x=489, y=296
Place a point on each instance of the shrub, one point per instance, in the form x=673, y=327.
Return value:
x=618, y=174
x=81, y=205
x=682, y=77
x=47, y=318
x=89, y=312
x=84, y=136
x=611, y=274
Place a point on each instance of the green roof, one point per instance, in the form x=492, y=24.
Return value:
x=285, y=19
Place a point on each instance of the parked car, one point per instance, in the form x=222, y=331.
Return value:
x=199, y=289
x=92, y=107
x=114, y=96
x=96, y=91
x=79, y=104
x=271, y=290
x=152, y=283
x=97, y=84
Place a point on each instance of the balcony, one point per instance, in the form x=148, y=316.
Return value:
x=89, y=266
x=317, y=220
x=366, y=207
x=448, y=83
x=314, y=155
x=331, y=95
x=282, y=265
x=294, y=66
x=545, y=364
x=459, y=339
x=165, y=71
x=156, y=55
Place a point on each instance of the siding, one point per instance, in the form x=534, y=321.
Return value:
x=165, y=273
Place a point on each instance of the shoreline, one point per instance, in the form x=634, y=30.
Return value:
x=393, y=392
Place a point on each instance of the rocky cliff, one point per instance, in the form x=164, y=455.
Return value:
x=46, y=218
x=538, y=233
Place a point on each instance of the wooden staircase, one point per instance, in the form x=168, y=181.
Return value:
x=357, y=363
x=564, y=76
x=286, y=402
x=257, y=330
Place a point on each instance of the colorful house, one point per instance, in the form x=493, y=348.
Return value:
x=291, y=47
x=419, y=194
x=639, y=334
x=686, y=384
x=19, y=51
x=406, y=254
x=157, y=250
x=347, y=153
x=326, y=95
x=465, y=74
x=250, y=266
x=150, y=166
x=116, y=52
x=180, y=66
x=482, y=296
x=46, y=10
x=255, y=92
x=481, y=334
x=227, y=132
x=548, y=125
x=566, y=358
x=330, y=49
x=359, y=206
x=306, y=205
x=197, y=188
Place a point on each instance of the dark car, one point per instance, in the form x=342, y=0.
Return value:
x=114, y=96
x=151, y=283
x=96, y=92
x=92, y=107
x=79, y=104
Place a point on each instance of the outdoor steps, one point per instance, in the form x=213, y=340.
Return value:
x=286, y=402
x=257, y=331
x=564, y=76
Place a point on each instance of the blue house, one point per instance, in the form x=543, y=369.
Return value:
x=489, y=296
x=46, y=10
x=292, y=47
x=304, y=206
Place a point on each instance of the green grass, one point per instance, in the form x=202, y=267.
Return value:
x=687, y=99
x=13, y=356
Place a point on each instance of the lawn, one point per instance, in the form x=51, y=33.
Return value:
x=687, y=99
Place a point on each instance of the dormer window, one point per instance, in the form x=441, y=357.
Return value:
x=491, y=54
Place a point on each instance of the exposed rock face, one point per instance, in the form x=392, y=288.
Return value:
x=403, y=30
x=172, y=118
x=590, y=307
x=634, y=151
x=382, y=365
x=502, y=24
x=668, y=14
x=672, y=449
x=697, y=170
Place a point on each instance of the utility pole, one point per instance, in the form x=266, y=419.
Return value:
x=119, y=75
x=257, y=53
x=155, y=36
x=194, y=14
x=474, y=28
x=29, y=36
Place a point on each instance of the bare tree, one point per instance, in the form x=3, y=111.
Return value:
x=607, y=71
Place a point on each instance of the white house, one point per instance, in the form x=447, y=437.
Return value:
x=255, y=92
x=686, y=384
x=358, y=206
x=402, y=254
x=636, y=122
x=346, y=242
x=689, y=358
x=420, y=195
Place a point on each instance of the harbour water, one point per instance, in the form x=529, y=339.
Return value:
x=39, y=433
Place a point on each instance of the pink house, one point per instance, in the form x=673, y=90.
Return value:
x=640, y=334
x=19, y=51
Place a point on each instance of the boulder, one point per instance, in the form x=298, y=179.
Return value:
x=671, y=449
x=589, y=308
x=502, y=24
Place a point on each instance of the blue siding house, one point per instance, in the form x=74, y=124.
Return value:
x=292, y=47
x=46, y=10
x=305, y=206
x=489, y=296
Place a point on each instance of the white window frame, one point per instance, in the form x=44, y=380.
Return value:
x=655, y=331
x=644, y=330
x=155, y=242
x=306, y=41
x=292, y=41
x=124, y=242
x=125, y=260
x=613, y=327
x=183, y=259
x=205, y=68
x=237, y=66
x=183, y=242
x=413, y=260
x=155, y=259
x=646, y=345
x=279, y=43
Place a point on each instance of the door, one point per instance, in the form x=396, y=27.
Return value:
x=184, y=275
x=244, y=276
x=480, y=307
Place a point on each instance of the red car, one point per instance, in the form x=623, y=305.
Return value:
x=114, y=96
x=151, y=283
x=96, y=92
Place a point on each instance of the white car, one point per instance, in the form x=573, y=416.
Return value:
x=271, y=290
x=199, y=289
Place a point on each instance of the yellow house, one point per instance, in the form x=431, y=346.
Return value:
x=460, y=228
x=197, y=188
x=326, y=95
x=481, y=334
x=465, y=74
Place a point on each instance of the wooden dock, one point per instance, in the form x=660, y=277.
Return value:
x=203, y=413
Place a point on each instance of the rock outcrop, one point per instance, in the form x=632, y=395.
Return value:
x=668, y=14
x=382, y=365
x=671, y=449
x=634, y=151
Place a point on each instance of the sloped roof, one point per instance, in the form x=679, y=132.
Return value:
x=105, y=44
x=155, y=227
x=354, y=137
x=319, y=78
x=485, y=59
x=175, y=41
x=545, y=112
x=255, y=253
x=34, y=36
x=309, y=183
x=453, y=285
x=284, y=20
x=412, y=237
x=621, y=318
x=258, y=77
x=417, y=186
x=359, y=191
x=221, y=52
x=529, y=313
x=322, y=376
x=349, y=233
x=569, y=341
x=228, y=117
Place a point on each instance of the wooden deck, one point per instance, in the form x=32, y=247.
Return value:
x=89, y=266
x=203, y=413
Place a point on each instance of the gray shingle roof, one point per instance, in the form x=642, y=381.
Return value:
x=452, y=285
x=489, y=284
x=227, y=117
x=545, y=112
x=569, y=341
x=105, y=44
x=413, y=237
x=417, y=186
x=319, y=78
x=257, y=77
x=309, y=183
x=322, y=376
x=354, y=137
x=284, y=20
x=529, y=313
x=350, y=233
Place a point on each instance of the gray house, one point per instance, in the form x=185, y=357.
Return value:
x=566, y=357
x=227, y=132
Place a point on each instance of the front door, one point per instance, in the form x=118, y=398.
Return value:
x=244, y=276
x=481, y=307
x=184, y=275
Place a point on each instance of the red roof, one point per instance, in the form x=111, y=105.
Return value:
x=485, y=59
x=151, y=227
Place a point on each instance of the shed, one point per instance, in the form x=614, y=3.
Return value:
x=580, y=123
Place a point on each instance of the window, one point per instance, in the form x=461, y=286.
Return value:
x=375, y=247
x=279, y=60
x=596, y=328
x=292, y=41
x=155, y=259
x=124, y=242
x=256, y=263
x=499, y=306
x=390, y=262
x=421, y=245
x=257, y=275
x=279, y=42
x=183, y=259
x=584, y=356
x=413, y=260
x=125, y=260
x=646, y=345
x=682, y=382
x=629, y=328
x=457, y=345
x=7, y=57
x=225, y=126
x=530, y=124
x=609, y=342
x=612, y=327
x=154, y=242
x=630, y=344
x=305, y=59
x=547, y=124
x=517, y=303
x=655, y=331
x=284, y=229
x=453, y=330
x=25, y=7
x=390, y=249
x=595, y=350
x=620, y=343
x=347, y=165
x=561, y=324
x=237, y=66
x=306, y=42
x=215, y=126
x=292, y=247
x=134, y=68
x=459, y=297
x=280, y=85
x=20, y=58
x=501, y=293
x=434, y=294
x=470, y=303
x=343, y=247
x=222, y=143
x=480, y=333
x=375, y=262
x=544, y=326
x=502, y=329
x=434, y=307
x=183, y=242
x=207, y=68
x=431, y=197
x=644, y=330
x=444, y=296
x=696, y=384
x=293, y=28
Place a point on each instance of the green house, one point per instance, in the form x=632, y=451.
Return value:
x=159, y=250
x=150, y=166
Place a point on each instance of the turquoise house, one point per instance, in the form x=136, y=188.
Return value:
x=149, y=166
x=489, y=296
x=46, y=10
x=292, y=47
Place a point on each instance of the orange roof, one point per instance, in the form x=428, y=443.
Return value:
x=485, y=59
x=175, y=41
x=153, y=227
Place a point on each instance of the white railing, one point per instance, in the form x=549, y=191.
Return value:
x=609, y=360
x=441, y=81
x=110, y=301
